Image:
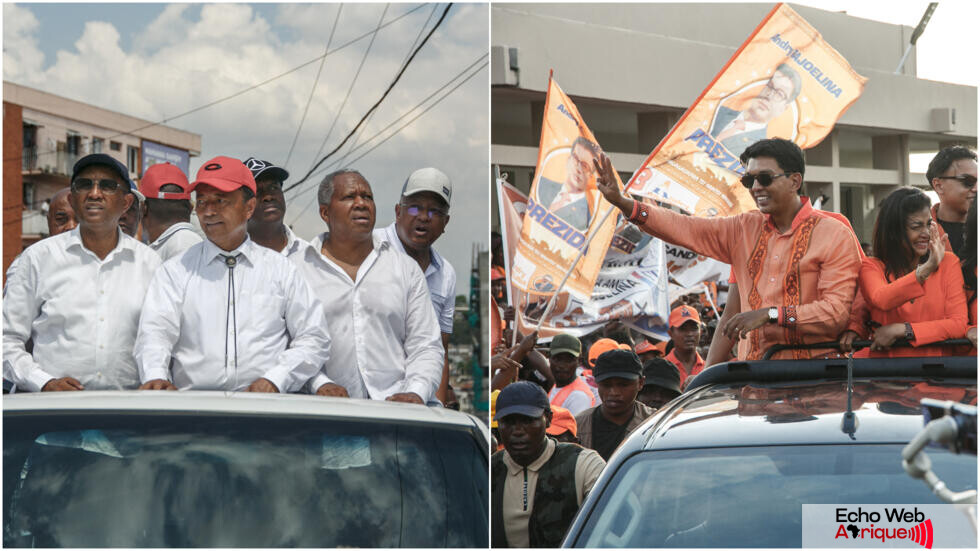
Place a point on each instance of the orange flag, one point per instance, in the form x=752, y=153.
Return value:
x=564, y=207
x=785, y=81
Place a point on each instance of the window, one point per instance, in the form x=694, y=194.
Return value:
x=133, y=158
x=97, y=145
x=115, y=146
x=73, y=143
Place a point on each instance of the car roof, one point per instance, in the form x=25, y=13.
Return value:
x=765, y=403
x=234, y=403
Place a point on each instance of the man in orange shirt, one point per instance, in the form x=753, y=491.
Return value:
x=685, y=333
x=798, y=269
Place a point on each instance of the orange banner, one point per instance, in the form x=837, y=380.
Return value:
x=564, y=207
x=785, y=81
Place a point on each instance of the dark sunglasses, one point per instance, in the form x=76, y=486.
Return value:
x=82, y=185
x=415, y=210
x=765, y=179
x=967, y=180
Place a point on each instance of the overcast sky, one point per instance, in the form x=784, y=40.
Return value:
x=155, y=61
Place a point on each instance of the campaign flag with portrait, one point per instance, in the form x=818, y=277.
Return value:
x=784, y=81
x=564, y=208
x=631, y=283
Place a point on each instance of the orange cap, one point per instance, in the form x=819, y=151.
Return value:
x=600, y=346
x=497, y=273
x=561, y=420
x=682, y=314
x=647, y=346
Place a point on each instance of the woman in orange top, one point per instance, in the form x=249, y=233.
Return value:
x=913, y=287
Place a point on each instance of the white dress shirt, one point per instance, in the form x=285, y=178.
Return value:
x=439, y=276
x=294, y=244
x=274, y=326
x=81, y=312
x=175, y=240
x=385, y=336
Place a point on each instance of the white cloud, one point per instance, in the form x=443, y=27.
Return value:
x=21, y=55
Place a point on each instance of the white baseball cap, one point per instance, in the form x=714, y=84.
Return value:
x=428, y=179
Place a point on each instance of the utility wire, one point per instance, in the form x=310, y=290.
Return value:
x=350, y=89
x=402, y=116
x=357, y=138
x=381, y=99
x=236, y=94
x=316, y=81
x=399, y=129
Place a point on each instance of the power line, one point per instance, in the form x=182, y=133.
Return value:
x=350, y=89
x=415, y=42
x=316, y=81
x=250, y=88
x=399, y=129
x=405, y=114
x=381, y=99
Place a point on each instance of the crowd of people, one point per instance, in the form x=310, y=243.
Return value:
x=800, y=278
x=249, y=306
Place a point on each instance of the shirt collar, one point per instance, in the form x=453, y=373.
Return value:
x=122, y=243
x=391, y=235
x=805, y=211
x=172, y=230
x=244, y=251
x=549, y=449
x=292, y=242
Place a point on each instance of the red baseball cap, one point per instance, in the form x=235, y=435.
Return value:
x=225, y=174
x=160, y=175
x=682, y=314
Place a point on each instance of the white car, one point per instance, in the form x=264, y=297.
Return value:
x=215, y=469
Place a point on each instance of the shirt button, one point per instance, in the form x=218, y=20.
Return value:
x=772, y=279
x=100, y=346
x=101, y=292
x=101, y=318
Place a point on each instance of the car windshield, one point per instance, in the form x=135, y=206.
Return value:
x=76, y=480
x=752, y=496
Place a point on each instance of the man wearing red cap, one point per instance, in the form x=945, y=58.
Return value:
x=229, y=314
x=685, y=333
x=167, y=210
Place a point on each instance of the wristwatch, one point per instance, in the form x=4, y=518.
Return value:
x=773, y=314
x=909, y=334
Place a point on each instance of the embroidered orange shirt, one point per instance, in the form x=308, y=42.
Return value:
x=698, y=365
x=810, y=271
x=936, y=309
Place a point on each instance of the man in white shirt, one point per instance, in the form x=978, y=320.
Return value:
x=386, y=343
x=167, y=210
x=78, y=294
x=421, y=216
x=228, y=314
x=266, y=226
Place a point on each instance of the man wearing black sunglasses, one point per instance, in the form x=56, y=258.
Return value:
x=797, y=269
x=952, y=173
x=78, y=294
x=421, y=216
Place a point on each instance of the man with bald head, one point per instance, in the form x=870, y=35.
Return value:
x=386, y=342
x=61, y=217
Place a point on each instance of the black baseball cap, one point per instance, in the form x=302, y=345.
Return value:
x=662, y=373
x=617, y=363
x=265, y=169
x=522, y=398
x=106, y=161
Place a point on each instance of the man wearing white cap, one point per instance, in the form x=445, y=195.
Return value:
x=421, y=216
x=167, y=210
x=228, y=314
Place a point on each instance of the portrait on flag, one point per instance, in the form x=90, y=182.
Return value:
x=785, y=81
x=564, y=209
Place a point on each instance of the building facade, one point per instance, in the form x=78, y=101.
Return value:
x=45, y=134
x=634, y=69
